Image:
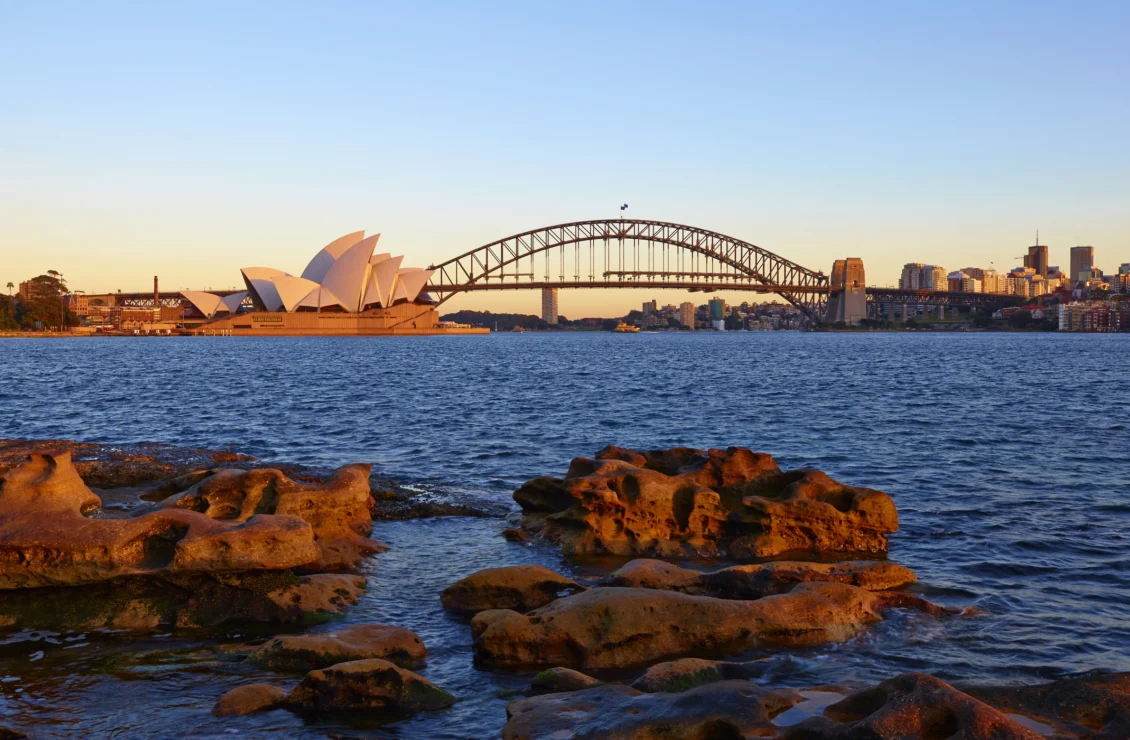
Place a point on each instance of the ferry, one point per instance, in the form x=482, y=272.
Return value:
x=623, y=328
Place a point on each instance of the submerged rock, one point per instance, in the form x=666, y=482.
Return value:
x=755, y=581
x=686, y=673
x=684, y=502
x=197, y=600
x=517, y=587
x=255, y=697
x=305, y=652
x=372, y=684
x=555, y=680
x=730, y=709
x=619, y=627
x=910, y=705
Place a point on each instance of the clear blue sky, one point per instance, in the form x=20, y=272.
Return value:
x=191, y=139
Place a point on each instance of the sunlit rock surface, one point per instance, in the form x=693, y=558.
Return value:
x=683, y=502
x=756, y=580
x=619, y=627
x=517, y=587
x=359, y=642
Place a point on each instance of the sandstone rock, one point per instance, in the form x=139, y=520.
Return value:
x=730, y=709
x=911, y=705
x=517, y=587
x=372, y=684
x=732, y=472
x=337, y=511
x=556, y=680
x=687, y=673
x=513, y=534
x=254, y=697
x=684, y=502
x=306, y=652
x=619, y=627
x=807, y=510
x=197, y=600
x=1094, y=706
x=45, y=539
x=755, y=581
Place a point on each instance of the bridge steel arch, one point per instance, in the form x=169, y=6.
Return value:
x=606, y=253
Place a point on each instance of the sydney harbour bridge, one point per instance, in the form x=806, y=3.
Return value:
x=630, y=253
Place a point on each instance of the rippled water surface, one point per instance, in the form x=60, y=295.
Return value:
x=1008, y=456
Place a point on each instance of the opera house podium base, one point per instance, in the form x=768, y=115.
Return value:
x=406, y=319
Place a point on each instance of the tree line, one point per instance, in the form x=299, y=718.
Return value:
x=39, y=307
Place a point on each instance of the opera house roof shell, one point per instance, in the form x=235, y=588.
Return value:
x=345, y=275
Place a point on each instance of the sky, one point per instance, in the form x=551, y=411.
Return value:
x=188, y=140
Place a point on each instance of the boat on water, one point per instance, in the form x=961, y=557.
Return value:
x=623, y=328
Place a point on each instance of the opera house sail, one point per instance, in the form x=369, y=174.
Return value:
x=347, y=288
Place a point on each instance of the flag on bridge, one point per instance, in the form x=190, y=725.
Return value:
x=624, y=207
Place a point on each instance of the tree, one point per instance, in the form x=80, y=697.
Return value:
x=43, y=305
x=1020, y=320
x=982, y=320
x=10, y=286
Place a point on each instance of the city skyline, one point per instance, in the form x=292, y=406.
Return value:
x=884, y=133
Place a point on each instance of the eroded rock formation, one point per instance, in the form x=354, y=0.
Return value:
x=910, y=705
x=45, y=539
x=360, y=685
x=321, y=650
x=227, y=548
x=619, y=627
x=1094, y=706
x=729, y=709
x=757, y=580
x=197, y=600
x=685, y=502
x=517, y=587
x=372, y=684
x=337, y=510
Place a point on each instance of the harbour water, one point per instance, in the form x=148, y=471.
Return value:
x=1008, y=456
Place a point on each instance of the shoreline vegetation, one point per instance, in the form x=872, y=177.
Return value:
x=709, y=553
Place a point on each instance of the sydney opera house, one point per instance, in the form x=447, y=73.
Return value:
x=346, y=289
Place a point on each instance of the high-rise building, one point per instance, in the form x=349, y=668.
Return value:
x=549, y=305
x=686, y=314
x=1082, y=258
x=1037, y=259
x=650, y=307
x=933, y=277
x=717, y=313
x=911, y=278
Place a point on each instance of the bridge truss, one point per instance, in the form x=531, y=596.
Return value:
x=628, y=253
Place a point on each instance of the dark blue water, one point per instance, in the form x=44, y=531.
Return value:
x=1008, y=456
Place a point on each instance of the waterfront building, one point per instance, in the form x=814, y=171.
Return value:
x=346, y=289
x=686, y=314
x=1090, y=316
x=1082, y=258
x=549, y=305
x=718, y=314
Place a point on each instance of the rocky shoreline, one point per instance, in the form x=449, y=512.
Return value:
x=148, y=537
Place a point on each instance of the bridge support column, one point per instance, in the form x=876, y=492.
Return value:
x=891, y=312
x=941, y=312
